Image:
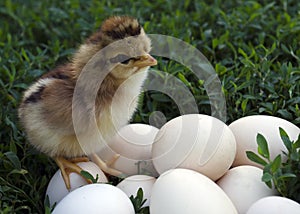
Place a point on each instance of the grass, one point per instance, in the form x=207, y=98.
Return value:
x=253, y=45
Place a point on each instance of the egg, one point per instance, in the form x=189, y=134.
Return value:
x=131, y=185
x=274, y=205
x=244, y=186
x=246, y=129
x=57, y=190
x=195, y=141
x=179, y=191
x=133, y=143
x=94, y=199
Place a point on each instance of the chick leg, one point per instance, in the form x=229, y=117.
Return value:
x=68, y=166
x=105, y=166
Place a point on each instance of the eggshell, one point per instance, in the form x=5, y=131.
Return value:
x=131, y=185
x=133, y=143
x=94, y=199
x=243, y=186
x=56, y=189
x=274, y=205
x=246, y=129
x=195, y=141
x=179, y=191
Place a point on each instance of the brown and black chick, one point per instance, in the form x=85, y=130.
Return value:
x=46, y=108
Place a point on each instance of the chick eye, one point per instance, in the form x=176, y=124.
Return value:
x=120, y=58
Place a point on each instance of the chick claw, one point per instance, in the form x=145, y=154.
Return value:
x=68, y=166
x=105, y=166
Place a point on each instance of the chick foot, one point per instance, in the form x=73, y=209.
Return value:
x=105, y=166
x=68, y=166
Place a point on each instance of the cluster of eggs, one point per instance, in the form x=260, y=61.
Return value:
x=200, y=163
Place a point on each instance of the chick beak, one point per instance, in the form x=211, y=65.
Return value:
x=144, y=61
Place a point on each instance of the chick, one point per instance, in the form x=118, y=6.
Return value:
x=46, y=108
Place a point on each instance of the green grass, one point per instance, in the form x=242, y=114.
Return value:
x=253, y=45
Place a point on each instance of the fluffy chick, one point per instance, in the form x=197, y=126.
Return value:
x=46, y=109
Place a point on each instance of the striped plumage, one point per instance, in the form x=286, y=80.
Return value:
x=46, y=108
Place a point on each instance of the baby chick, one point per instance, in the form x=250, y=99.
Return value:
x=46, y=108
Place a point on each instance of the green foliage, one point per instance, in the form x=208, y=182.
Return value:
x=253, y=46
x=48, y=208
x=284, y=175
x=138, y=201
x=89, y=176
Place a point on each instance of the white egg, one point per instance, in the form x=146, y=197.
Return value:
x=179, y=191
x=131, y=185
x=57, y=190
x=133, y=143
x=244, y=186
x=195, y=141
x=274, y=205
x=94, y=199
x=247, y=128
